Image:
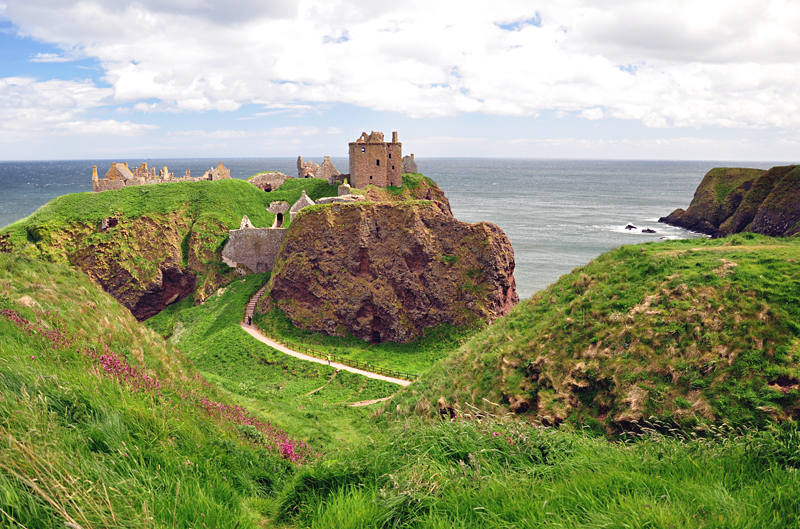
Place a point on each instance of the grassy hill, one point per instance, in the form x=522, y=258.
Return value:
x=103, y=425
x=687, y=331
x=301, y=396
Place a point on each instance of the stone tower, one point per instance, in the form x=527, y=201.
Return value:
x=376, y=162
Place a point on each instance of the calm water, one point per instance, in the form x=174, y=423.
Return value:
x=559, y=214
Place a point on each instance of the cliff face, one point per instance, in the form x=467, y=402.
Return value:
x=385, y=271
x=145, y=263
x=743, y=200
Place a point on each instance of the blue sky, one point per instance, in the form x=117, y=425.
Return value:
x=571, y=79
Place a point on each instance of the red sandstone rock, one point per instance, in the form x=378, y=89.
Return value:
x=384, y=272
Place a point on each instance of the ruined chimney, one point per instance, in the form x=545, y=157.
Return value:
x=412, y=156
x=394, y=137
x=94, y=173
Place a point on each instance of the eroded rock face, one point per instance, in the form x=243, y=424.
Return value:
x=384, y=272
x=146, y=273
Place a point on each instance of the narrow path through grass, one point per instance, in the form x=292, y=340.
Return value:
x=252, y=331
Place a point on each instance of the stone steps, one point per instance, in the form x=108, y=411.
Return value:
x=251, y=305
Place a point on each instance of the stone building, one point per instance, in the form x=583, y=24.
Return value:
x=300, y=204
x=375, y=162
x=120, y=175
x=409, y=165
x=253, y=250
x=329, y=172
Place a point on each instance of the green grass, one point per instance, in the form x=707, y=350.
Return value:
x=78, y=445
x=416, y=357
x=272, y=383
x=640, y=331
x=489, y=472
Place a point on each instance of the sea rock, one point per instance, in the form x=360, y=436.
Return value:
x=648, y=230
x=743, y=200
x=630, y=227
x=384, y=272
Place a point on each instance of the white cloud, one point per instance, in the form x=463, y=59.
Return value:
x=96, y=127
x=666, y=63
x=51, y=57
x=31, y=108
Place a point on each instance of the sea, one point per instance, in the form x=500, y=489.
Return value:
x=558, y=214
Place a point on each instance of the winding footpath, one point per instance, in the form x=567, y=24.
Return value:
x=253, y=331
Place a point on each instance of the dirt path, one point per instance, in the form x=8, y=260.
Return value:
x=322, y=386
x=252, y=331
x=368, y=402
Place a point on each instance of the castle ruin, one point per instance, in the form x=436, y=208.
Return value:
x=120, y=175
x=376, y=162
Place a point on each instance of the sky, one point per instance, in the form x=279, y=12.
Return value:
x=601, y=79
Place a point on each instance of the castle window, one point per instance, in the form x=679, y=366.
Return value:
x=390, y=155
x=370, y=177
x=363, y=149
x=393, y=168
x=378, y=163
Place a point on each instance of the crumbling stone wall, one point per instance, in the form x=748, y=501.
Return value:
x=253, y=248
x=306, y=169
x=269, y=181
x=329, y=172
x=376, y=162
x=409, y=164
x=120, y=175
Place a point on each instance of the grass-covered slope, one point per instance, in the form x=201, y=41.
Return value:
x=150, y=245
x=484, y=472
x=277, y=385
x=102, y=425
x=693, y=330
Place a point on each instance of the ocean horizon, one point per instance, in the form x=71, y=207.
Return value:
x=558, y=213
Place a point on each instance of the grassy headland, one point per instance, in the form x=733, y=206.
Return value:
x=688, y=331
x=126, y=239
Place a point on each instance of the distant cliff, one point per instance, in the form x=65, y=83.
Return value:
x=744, y=200
x=384, y=271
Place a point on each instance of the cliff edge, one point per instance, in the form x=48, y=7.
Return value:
x=733, y=200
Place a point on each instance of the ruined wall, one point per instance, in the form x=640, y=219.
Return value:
x=306, y=169
x=409, y=164
x=254, y=248
x=119, y=176
x=268, y=181
x=329, y=172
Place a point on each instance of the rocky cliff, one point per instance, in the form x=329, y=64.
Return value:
x=385, y=271
x=744, y=200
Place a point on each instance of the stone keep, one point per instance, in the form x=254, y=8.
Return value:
x=376, y=162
